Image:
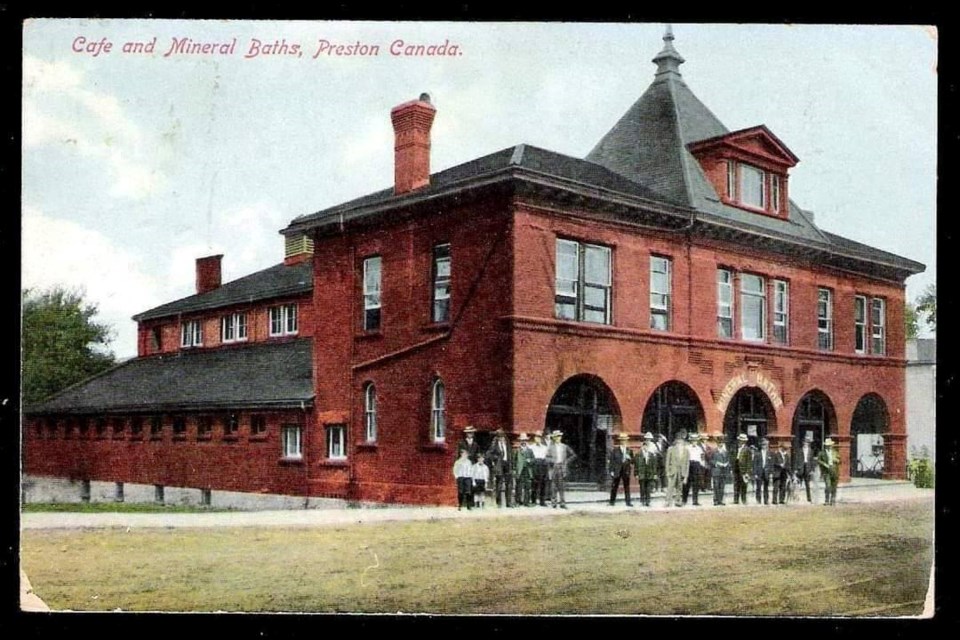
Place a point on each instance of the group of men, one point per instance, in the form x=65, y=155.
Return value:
x=521, y=476
x=699, y=462
x=527, y=474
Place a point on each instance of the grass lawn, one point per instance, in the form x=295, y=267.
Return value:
x=871, y=559
x=115, y=507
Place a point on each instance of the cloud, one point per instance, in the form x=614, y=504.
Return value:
x=97, y=126
x=60, y=252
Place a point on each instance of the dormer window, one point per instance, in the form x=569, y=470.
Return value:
x=752, y=183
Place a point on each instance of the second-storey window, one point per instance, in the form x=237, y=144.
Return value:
x=781, y=311
x=753, y=300
x=724, y=303
x=660, y=293
x=825, y=319
x=191, y=334
x=283, y=320
x=371, y=294
x=583, y=282
x=860, y=324
x=441, y=283
x=233, y=327
x=878, y=321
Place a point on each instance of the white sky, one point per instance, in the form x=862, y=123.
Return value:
x=136, y=164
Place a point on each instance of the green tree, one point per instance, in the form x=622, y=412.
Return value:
x=62, y=344
x=912, y=321
x=927, y=305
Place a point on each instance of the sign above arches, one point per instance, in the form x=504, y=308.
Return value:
x=749, y=378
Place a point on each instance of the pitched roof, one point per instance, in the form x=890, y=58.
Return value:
x=646, y=157
x=257, y=375
x=522, y=157
x=273, y=282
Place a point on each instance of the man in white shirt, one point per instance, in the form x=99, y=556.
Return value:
x=696, y=470
x=540, y=479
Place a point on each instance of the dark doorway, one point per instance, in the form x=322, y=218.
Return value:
x=672, y=407
x=584, y=409
x=749, y=412
x=870, y=422
x=814, y=420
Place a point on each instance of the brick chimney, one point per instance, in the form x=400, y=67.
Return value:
x=411, y=127
x=208, y=273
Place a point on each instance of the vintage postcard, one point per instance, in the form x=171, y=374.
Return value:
x=316, y=314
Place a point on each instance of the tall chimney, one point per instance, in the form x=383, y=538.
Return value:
x=208, y=273
x=411, y=127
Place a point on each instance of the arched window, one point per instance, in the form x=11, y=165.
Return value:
x=370, y=412
x=438, y=417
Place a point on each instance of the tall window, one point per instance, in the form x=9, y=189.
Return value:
x=233, y=327
x=370, y=412
x=731, y=179
x=775, y=192
x=583, y=282
x=258, y=425
x=291, y=440
x=438, y=412
x=441, y=283
x=371, y=294
x=179, y=426
x=156, y=339
x=283, y=320
x=724, y=303
x=860, y=324
x=825, y=319
x=231, y=425
x=878, y=321
x=204, y=426
x=660, y=293
x=781, y=311
x=753, y=299
x=156, y=426
x=191, y=334
x=752, y=191
x=337, y=441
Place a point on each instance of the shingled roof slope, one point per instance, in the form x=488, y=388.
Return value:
x=257, y=375
x=273, y=282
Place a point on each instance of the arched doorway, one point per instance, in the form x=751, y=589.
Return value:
x=584, y=409
x=814, y=420
x=672, y=407
x=870, y=422
x=751, y=412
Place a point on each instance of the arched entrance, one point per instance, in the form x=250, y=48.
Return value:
x=814, y=420
x=584, y=409
x=751, y=412
x=870, y=422
x=672, y=406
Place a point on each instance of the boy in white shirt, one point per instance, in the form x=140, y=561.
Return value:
x=463, y=472
x=481, y=475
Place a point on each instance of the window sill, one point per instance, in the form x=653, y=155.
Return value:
x=369, y=446
x=434, y=446
x=204, y=437
x=327, y=462
x=179, y=437
x=436, y=327
x=231, y=437
x=291, y=461
x=369, y=335
x=258, y=437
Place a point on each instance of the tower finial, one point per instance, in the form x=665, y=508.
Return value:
x=668, y=61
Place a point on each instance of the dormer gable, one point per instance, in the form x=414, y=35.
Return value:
x=749, y=169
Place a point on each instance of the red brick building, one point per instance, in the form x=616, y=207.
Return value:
x=665, y=281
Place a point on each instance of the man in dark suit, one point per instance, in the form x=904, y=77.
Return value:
x=763, y=469
x=781, y=473
x=523, y=471
x=618, y=466
x=559, y=457
x=719, y=468
x=742, y=469
x=806, y=461
x=646, y=462
x=499, y=457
